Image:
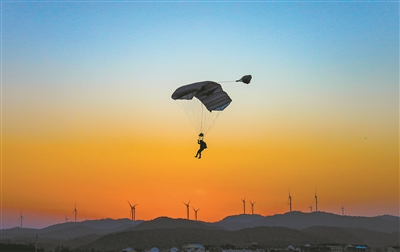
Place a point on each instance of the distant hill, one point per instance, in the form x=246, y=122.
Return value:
x=69, y=230
x=356, y=236
x=265, y=237
x=168, y=238
x=71, y=234
x=165, y=222
x=101, y=224
x=299, y=220
x=388, y=217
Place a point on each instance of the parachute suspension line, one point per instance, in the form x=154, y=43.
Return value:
x=207, y=119
x=213, y=119
x=225, y=81
x=245, y=79
x=201, y=122
x=201, y=119
x=196, y=112
x=189, y=111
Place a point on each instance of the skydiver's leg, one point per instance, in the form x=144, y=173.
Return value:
x=198, y=153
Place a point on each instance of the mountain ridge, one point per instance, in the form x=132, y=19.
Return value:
x=295, y=220
x=300, y=220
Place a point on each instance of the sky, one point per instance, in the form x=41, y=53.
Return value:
x=87, y=118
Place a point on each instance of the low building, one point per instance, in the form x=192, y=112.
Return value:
x=357, y=248
x=174, y=249
x=318, y=248
x=128, y=249
x=238, y=250
x=323, y=248
x=393, y=249
x=193, y=248
x=154, y=249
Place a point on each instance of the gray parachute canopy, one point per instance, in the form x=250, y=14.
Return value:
x=208, y=92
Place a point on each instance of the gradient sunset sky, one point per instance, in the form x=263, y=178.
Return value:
x=88, y=119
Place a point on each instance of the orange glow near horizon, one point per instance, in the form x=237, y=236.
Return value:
x=158, y=172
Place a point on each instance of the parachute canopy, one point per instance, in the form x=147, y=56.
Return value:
x=209, y=96
x=208, y=92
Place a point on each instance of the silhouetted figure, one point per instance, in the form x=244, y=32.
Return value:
x=203, y=146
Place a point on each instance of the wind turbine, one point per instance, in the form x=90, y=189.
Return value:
x=75, y=212
x=252, y=207
x=133, y=210
x=21, y=218
x=342, y=210
x=66, y=218
x=195, y=213
x=316, y=201
x=187, y=209
x=290, y=201
x=311, y=207
x=244, y=205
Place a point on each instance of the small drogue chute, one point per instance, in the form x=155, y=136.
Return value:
x=245, y=79
x=210, y=100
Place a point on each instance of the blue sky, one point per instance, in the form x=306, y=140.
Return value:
x=91, y=43
x=146, y=37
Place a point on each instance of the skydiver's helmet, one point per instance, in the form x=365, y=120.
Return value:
x=201, y=136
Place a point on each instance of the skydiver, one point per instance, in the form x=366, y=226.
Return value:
x=203, y=146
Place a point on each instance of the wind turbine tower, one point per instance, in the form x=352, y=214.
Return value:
x=75, y=212
x=187, y=209
x=342, y=210
x=311, y=207
x=21, y=218
x=66, y=218
x=195, y=213
x=290, y=201
x=316, y=201
x=244, y=205
x=133, y=210
x=252, y=207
